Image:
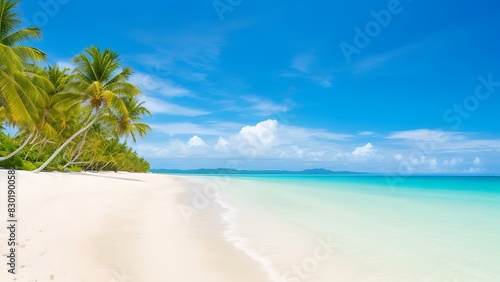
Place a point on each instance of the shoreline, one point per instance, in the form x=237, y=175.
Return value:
x=112, y=226
x=241, y=244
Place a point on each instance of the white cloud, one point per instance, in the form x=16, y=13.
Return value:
x=196, y=141
x=298, y=152
x=259, y=137
x=433, y=164
x=265, y=107
x=198, y=48
x=291, y=145
x=301, y=66
x=367, y=133
x=471, y=145
x=421, y=163
x=452, y=162
x=173, y=148
x=158, y=106
x=299, y=134
x=474, y=170
x=302, y=62
x=365, y=151
x=438, y=141
x=324, y=80
x=380, y=59
x=66, y=65
x=186, y=128
x=222, y=144
x=151, y=83
x=437, y=136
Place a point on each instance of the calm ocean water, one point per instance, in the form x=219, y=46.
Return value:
x=362, y=228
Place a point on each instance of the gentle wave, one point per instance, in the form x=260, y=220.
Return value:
x=240, y=243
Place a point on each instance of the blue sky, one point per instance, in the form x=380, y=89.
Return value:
x=400, y=86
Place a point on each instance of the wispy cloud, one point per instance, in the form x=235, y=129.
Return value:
x=198, y=49
x=364, y=151
x=378, y=60
x=302, y=134
x=426, y=135
x=302, y=62
x=65, y=64
x=150, y=83
x=269, y=139
x=446, y=141
x=303, y=66
x=206, y=129
x=265, y=107
x=159, y=106
x=324, y=80
x=367, y=133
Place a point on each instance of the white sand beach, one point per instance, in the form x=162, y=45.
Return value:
x=115, y=227
x=126, y=227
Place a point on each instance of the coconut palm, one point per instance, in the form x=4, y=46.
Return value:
x=18, y=93
x=129, y=125
x=19, y=97
x=88, y=146
x=52, y=83
x=100, y=84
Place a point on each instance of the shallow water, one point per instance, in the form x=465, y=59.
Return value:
x=345, y=228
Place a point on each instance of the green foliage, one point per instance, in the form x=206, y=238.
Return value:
x=13, y=163
x=29, y=166
x=7, y=145
x=75, y=169
x=53, y=108
x=51, y=168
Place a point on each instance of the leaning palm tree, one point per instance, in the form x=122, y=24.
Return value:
x=88, y=145
x=18, y=93
x=51, y=83
x=129, y=125
x=100, y=84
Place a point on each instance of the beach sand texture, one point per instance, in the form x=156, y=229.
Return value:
x=116, y=227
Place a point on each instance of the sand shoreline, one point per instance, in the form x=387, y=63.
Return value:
x=117, y=227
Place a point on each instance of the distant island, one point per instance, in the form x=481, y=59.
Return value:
x=316, y=171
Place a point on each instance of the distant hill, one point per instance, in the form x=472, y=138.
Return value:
x=316, y=171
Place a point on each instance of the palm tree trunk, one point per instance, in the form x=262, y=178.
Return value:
x=104, y=166
x=73, y=160
x=79, y=150
x=67, y=142
x=33, y=145
x=18, y=149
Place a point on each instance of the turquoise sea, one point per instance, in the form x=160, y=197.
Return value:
x=365, y=228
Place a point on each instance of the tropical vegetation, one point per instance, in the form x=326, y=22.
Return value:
x=65, y=120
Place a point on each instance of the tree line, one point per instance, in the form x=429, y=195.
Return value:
x=65, y=120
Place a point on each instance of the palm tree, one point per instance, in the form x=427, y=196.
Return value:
x=89, y=145
x=52, y=82
x=54, y=116
x=17, y=91
x=128, y=125
x=100, y=84
x=19, y=97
